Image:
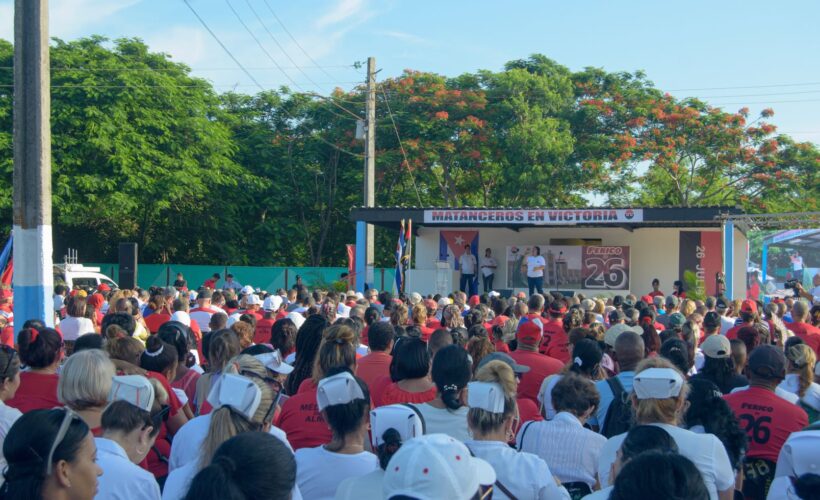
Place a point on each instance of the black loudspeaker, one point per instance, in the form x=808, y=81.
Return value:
x=128, y=265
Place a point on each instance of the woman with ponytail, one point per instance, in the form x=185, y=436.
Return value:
x=492, y=421
x=243, y=402
x=250, y=466
x=800, y=378
x=586, y=362
x=300, y=417
x=308, y=338
x=41, y=350
x=447, y=413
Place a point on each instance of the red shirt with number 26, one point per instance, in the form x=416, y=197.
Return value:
x=767, y=419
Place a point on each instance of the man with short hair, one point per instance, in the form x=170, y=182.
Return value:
x=808, y=333
x=204, y=310
x=629, y=351
x=535, y=271
x=440, y=339
x=656, y=289
x=767, y=418
x=748, y=315
x=672, y=304
x=211, y=282
x=376, y=365
x=556, y=341
x=231, y=284
x=529, y=337
x=467, y=263
x=488, y=267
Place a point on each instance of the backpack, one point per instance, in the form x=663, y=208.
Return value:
x=619, y=414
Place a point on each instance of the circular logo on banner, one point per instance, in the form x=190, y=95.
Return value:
x=629, y=214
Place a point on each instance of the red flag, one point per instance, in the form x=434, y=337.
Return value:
x=351, y=266
x=5, y=279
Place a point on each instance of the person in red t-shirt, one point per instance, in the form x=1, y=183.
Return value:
x=555, y=342
x=211, y=282
x=748, y=314
x=767, y=418
x=377, y=364
x=264, y=327
x=541, y=366
x=411, y=368
x=300, y=417
x=419, y=317
x=810, y=334
x=41, y=349
x=656, y=289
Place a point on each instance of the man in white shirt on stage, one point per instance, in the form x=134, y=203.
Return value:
x=535, y=271
x=467, y=262
x=488, y=266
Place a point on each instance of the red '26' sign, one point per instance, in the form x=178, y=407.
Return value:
x=605, y=268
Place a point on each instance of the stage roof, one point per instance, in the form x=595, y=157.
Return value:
x=522, y=217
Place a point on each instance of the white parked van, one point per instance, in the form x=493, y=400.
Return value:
x=73, y=275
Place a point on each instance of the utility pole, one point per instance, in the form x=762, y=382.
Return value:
x=365, y=244
x=33, y=272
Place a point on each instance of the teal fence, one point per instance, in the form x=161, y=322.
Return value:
x=266, y=278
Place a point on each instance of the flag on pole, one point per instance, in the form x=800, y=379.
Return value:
x=401, y=245
x=6, y=263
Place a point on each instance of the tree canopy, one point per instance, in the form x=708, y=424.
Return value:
x=143, y=151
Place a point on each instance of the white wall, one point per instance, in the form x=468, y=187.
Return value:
x=653, y=253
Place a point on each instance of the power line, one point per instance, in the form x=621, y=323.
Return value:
x=274, y=61
x=158, y=70
x=235, y=60
x=401, y=147
x=294, y=39
x=749, y=86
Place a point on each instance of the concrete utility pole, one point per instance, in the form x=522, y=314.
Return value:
x=33, y=272
x=365, y=246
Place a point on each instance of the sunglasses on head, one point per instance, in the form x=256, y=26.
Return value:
x=63, y=430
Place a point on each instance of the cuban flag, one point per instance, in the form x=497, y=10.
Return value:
x=451, y=245
x=6, y=264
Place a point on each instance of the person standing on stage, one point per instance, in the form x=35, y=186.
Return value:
x=467, y=262
x=488, y=266
x=535, y=271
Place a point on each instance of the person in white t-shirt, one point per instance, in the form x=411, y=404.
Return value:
x=344, y=402
x=535, y=271
x=390, y=426
x=800, y=376
x=658, y=398
x=797, y=457
x=488, y=267
x=797, y=266
x=492, y=419
x=75, y=322
x=447, y=413
x=467, y=263
x=9, y=382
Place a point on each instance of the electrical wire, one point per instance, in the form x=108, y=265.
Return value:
x=401, y=147
x=235, y=60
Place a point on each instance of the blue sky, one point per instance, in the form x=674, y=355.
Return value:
x=711, y=49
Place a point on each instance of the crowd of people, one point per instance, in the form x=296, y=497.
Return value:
x=231, y=392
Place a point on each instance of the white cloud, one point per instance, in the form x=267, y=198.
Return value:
x=185, y=44
x=71, y=18
x=343, y=10
x=405, y=37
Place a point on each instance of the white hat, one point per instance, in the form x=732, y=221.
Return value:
x=657, y=383
x=488, y=396
x=297, y=318
x=246, y=290
x=545, y=391
x=182, y=317
x=359, y=295
x=273, y=361
x=253, y=300
x=615, y=331
x=135, y=389
x=493, y=293
x=443, y=302
x=716, y=346
x=433, y=467
x=803, y=449
x=587, y=304
x=237, y=392
x=415, y=298
x=338, y=389
x=272, y=303
x=405, y=419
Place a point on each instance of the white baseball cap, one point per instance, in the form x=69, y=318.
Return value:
x=405, y=419
x=433, y=467
x=246, y=290
x=273, y=361
x=134, y=389
x=488, y=396
x=657, y=383
x=237, y=392
x=253, y=300
x=415, y=298
x=615, y=331
x=272, y=303
x=338, y=389
x=297, y=318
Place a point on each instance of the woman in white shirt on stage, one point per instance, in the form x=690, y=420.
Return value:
x=492, y=418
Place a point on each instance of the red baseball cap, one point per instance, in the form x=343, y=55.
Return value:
x=748, y=306
x=474, y=300
x=103, y=287
x=556, y=307
x=529, y=333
